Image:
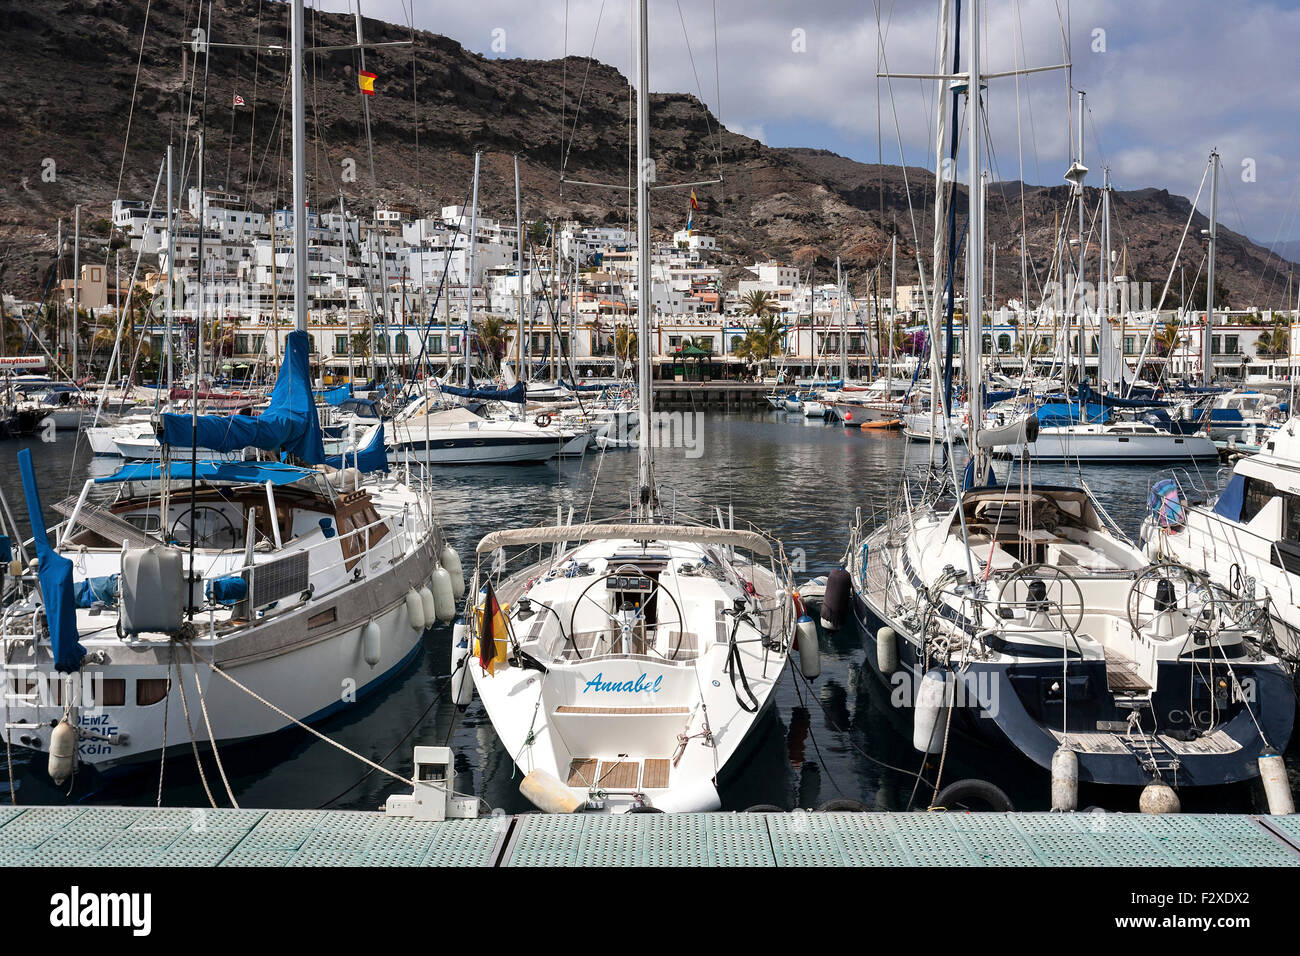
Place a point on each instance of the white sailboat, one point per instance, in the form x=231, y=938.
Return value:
x=624, y=664
x=203, y=603
x=1019, y=615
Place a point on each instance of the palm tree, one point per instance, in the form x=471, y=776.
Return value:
x=624, y=343
x=1277, y=341
x=494, y=339
x=1167, y=338
x=757, y=304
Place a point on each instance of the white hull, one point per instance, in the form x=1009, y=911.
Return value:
x=1110, y=444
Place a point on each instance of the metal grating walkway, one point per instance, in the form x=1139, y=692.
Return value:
x=131, y=836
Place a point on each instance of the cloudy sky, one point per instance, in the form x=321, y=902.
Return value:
x=1166, y=80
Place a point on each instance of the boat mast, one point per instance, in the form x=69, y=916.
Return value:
x=893, y=300
x=519, y=237
x=1078, y=282
x=376, y=235
x=839, y=295
x=469, y=280
x=645, y=171
x=76, y=282
x=1207, y=371
x=299, y=172
x=347, y=299
x=975, y=258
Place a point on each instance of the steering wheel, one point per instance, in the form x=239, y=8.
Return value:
x=1160, y=585
x=616, y=621
x=209, y=526
x=1050, y=600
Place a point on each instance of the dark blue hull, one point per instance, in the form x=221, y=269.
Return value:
x=1013, y=706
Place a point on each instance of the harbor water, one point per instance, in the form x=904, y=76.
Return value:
x=838, y=739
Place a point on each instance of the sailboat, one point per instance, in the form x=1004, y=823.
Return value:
x=1018, y=614
x=190, y=602
x=624, y=664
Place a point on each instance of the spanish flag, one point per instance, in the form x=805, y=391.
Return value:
x=695, y=203
x=367, y=82
x=493, y=635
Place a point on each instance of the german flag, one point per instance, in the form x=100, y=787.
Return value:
x=367, y=82
x=493, y=634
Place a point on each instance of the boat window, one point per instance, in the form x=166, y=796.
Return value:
x=1291, y=518
x=150, y=690
x=147, y=522
x=111, y=692
x=1255, y=496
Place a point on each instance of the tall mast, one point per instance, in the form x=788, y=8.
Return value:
x=469, y=280
x=171, y=270
x=76, y=282
x=1078, y=282
x=347, y=299
x=1107, y=370
x=377, y=235
x=893, y=302
x=839, y=295
x=299, y=175
x=1207, y=370
x=644, y=169
x=975, y=257
x=519, y=237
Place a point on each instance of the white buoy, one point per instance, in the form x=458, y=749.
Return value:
x=451, y=561
x=1065, y=780
x=1159, y=797
x=810, y=655
x=1272, y=772
x=462, y=685
x=414, y=610
x=428, y=606
x=887, y=650
x=371, y=644
x=930, y=711
x=547, y=794
x=444, y=603
x=63, y=752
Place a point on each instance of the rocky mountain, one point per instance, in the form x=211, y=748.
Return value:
x=97, y=90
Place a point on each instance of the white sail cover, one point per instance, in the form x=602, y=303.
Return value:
x=702, y=534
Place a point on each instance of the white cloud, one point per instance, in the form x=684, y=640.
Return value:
x=1176, y=78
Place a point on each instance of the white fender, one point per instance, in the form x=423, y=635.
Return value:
x=930, y=712
x=414, y=610
x=810, y=659
x=428, y=606
x=887, y=650
x=462, y=685
x=444, y=602
x=371, y=643
x=547, y=794
x=451, y=561
x=63, y=752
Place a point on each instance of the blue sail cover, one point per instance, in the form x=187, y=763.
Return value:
x=289, y=424
x=518, y=393
x=54, y=572
x=1067, y=413
x=373, y=457
x=337, y=395
x=239, y=472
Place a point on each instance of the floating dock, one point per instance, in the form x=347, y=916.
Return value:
x=144, y=836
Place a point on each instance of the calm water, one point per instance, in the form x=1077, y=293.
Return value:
x=800, y=480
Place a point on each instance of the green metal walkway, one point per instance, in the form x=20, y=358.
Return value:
x=130, y=836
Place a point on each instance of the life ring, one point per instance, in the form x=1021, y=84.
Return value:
x=959, y=792
x=542, y=420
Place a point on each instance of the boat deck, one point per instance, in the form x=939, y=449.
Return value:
x=143, y=836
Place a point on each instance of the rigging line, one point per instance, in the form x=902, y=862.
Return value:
x=252, y=123
x=135, y=85
x=714, y=134
x=582, y=91
x=384, y=759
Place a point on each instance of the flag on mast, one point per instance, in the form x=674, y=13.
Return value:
x=367, y=82
x=494, y=636
x=239, y=100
